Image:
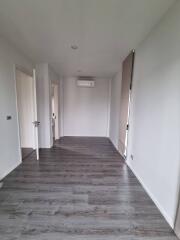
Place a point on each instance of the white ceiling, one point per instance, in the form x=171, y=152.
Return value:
x=104, y=30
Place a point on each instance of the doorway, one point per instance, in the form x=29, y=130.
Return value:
x=126, y=88
x=55, y=111
x=25, y=93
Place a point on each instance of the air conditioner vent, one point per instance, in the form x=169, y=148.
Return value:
x=85, y=81
x=86, y=78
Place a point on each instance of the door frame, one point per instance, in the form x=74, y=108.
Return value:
x=129, y=104
x=177, y=217
x=58, y=84
x=124, y=149
x=55, y=87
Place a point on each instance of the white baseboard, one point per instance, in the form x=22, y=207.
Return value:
x=156, y=202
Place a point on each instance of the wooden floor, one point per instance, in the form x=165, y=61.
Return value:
x=79, y=190
x=26, y=152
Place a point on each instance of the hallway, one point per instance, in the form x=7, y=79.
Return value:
x=80, y=189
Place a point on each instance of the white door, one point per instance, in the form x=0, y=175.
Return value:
x=25, y=107
x=36, y=122
x=56, y=110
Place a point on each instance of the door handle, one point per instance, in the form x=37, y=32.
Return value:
x=36, y=123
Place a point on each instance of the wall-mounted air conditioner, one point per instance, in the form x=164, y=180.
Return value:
x=85, y=82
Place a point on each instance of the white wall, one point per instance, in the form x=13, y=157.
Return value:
x=115, y=108
x=9, y=144
x=86, y=110
x=155, y=114
x=25, y=102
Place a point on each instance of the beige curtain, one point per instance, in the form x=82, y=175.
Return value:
x=127, y=70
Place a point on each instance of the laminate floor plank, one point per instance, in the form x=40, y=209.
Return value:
x=81, y=189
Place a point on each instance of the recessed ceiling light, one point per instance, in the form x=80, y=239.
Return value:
x=74, y=47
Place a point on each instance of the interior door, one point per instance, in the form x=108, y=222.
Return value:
x=36, y=122
x=56, y=110
x=127, y=72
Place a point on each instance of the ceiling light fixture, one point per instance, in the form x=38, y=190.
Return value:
x=74, y=47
